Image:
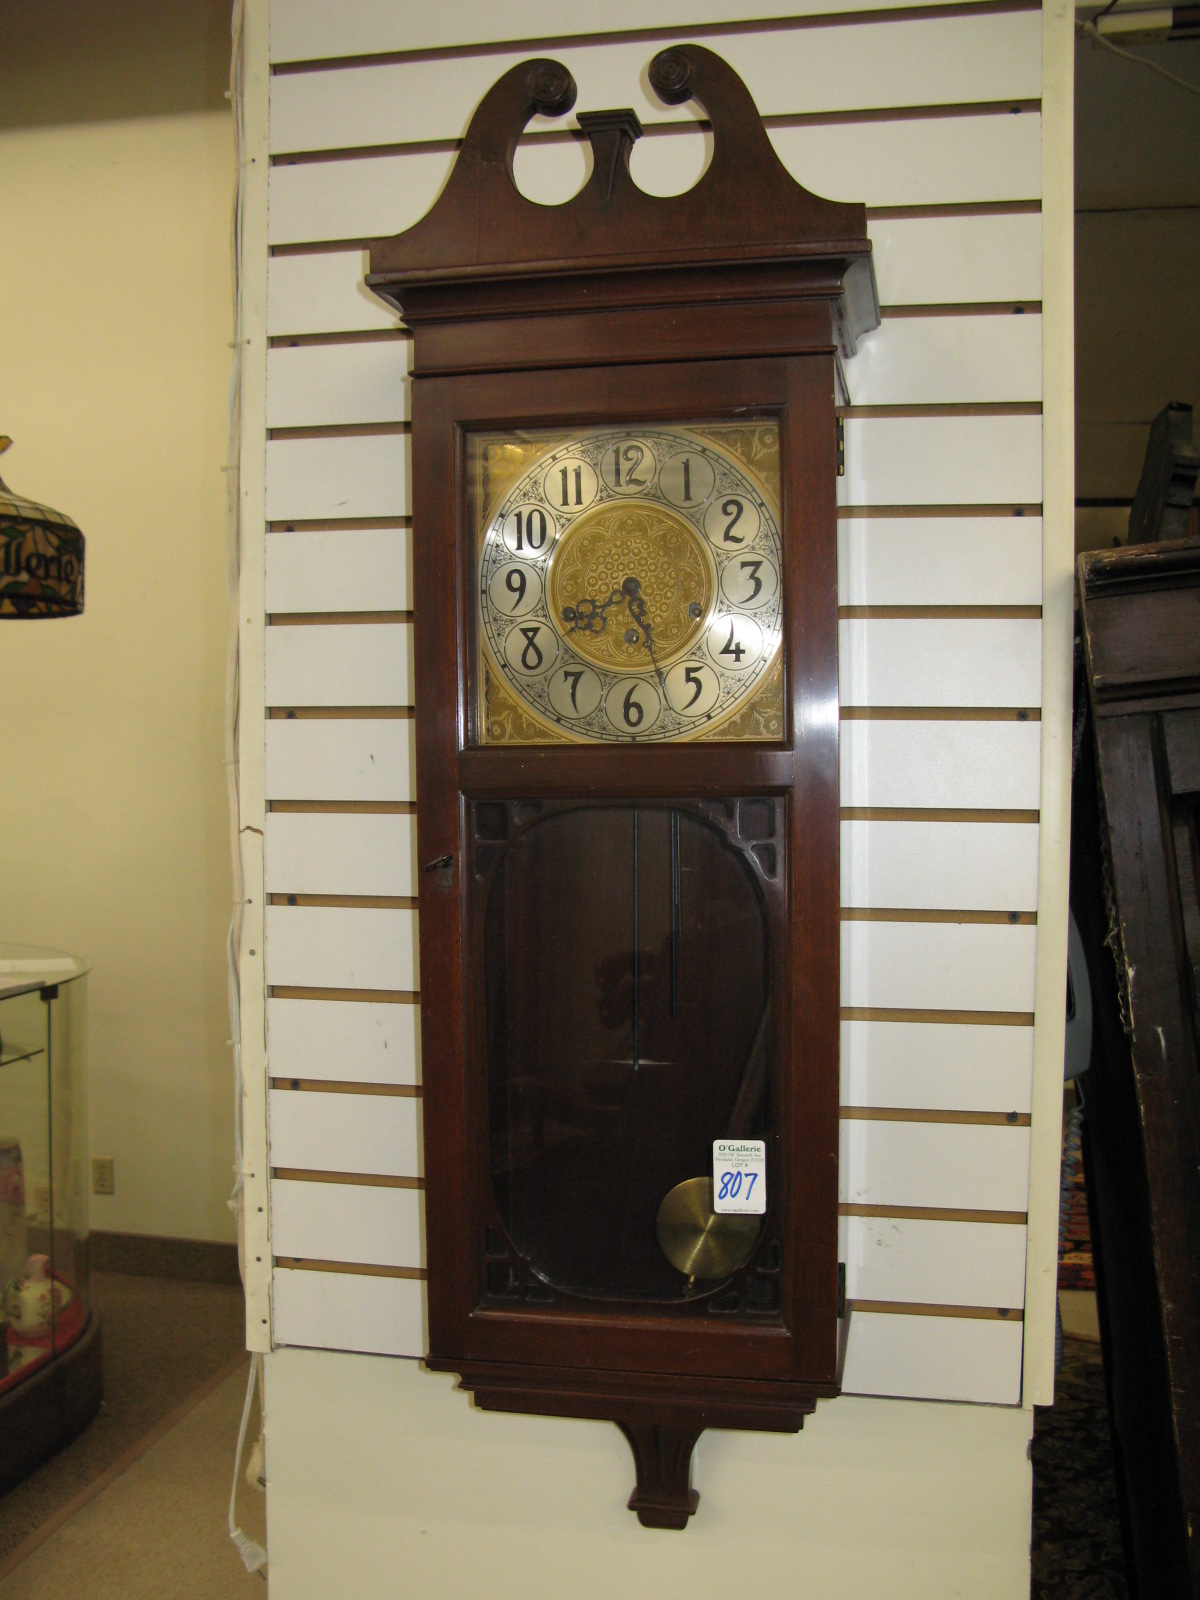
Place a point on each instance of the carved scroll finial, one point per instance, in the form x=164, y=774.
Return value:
x=551, y=88
x=671, y=77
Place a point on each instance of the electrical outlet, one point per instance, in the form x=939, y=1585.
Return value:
x=104, y=1179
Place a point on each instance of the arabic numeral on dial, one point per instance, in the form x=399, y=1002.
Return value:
x=732, y=522
x=692, y=688
x=514, y=589
x=687, y=480
x=571, y=484
x=530, y=649
x=527, y=530
x=735, y=643
x=628, y=467
x=732, y=647
x=531, y=655
x=632, y=706
x=574, y=692
x=749, y=582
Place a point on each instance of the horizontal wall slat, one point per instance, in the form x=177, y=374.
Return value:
x=948, y=1066
x=918, y=261
x=940, y=561
x=943, y=461
x=921, y=460
x=329, y=1132
x=952, y=866
x=333, y=664
x=934, y=1358
x=328, y=384
x=345, y=1221
x=946, y=360
x=957, y=1165
x=349, y=1041
x=340, y=759
x=939, y=1263
x=344, y=478
x=940, y=764
x=341, y=947
x=935, y=161
x=930, y=661
x=951, y=260
x=332, y=853
x=351, y=569
x=924, y=62
x=307, y=30
x=325, y=293
x=349, y=1311
x=935, y=966
x=980, y=359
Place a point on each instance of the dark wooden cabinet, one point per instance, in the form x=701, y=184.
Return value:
x=625, y=447
x=1135, y=890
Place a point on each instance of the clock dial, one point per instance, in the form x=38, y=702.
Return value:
x=629, y=585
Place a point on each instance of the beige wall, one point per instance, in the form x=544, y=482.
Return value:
x=114, y=361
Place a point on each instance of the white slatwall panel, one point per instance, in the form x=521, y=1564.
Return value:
x=985, y=358
x=949, y=360
x=938, y=966
x=943, y=461
x=331, y=853
x=367, y=664
x=342, y=947
x=301, y=30
x=940, y=561
x=945, y=661
x=940, y=1164
x=918, y=261
x=950, y=260
x=941, y=764
x=945, y=1066
x=336, y=1221
x=349, y=1311
x=935, y=1263
x=910, y=163
x=944, y=866
x=340, y=478
x=986, y=57
x=341, y=569
x=934, y=1358
x=908, y=361
x=332, y=1132
x=322, y=385
x=344, y=759
x=344, y=1041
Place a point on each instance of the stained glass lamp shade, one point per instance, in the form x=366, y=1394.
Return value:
x=41, y=558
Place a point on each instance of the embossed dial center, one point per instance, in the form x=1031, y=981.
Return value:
x=595, y=605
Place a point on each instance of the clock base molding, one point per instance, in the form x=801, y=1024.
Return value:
x=659, y=1414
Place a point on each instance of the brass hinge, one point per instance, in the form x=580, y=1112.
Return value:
x=841, y=447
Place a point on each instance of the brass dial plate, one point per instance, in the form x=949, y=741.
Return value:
x=629, y=585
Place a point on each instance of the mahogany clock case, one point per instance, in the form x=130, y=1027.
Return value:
x=619, y=310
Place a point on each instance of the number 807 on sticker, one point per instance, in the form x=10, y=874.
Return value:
x=740, y=1176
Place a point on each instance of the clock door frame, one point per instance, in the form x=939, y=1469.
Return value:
x=467, y=1336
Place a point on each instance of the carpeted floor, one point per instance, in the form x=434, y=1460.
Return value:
x=1076, y=1528
x=162, y=1338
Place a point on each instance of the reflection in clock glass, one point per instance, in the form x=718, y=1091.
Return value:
x=648, y=552
x=627, y=976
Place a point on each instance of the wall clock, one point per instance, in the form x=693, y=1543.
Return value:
x=624, y=448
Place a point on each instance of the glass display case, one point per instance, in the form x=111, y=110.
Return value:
x=50, y=1369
